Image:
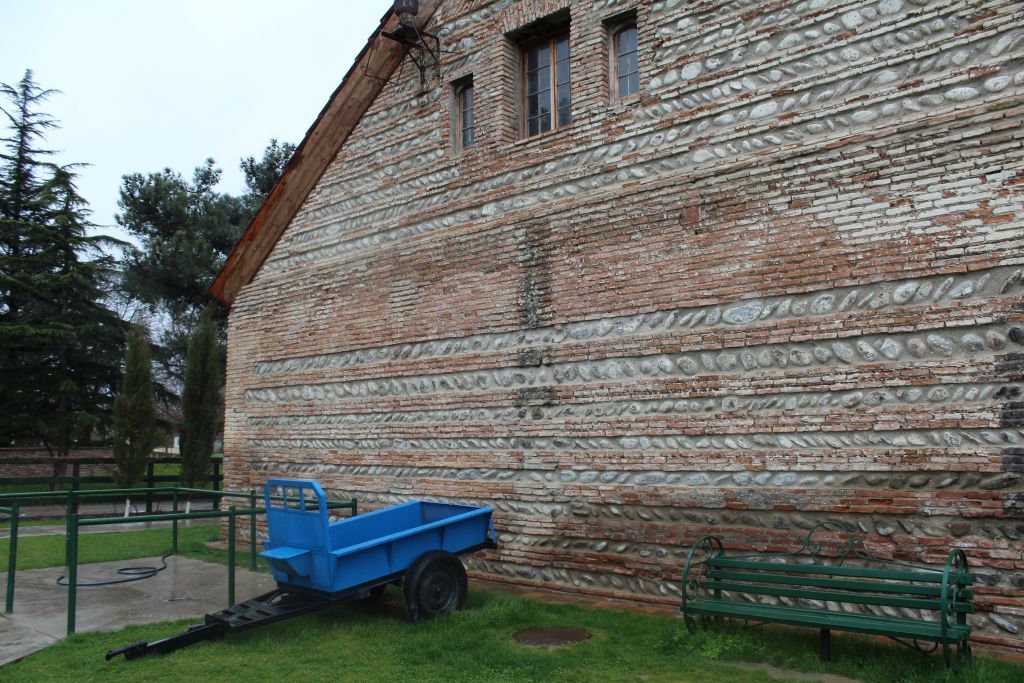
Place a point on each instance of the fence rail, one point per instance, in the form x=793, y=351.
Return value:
x=58, y=482
x=74, y=523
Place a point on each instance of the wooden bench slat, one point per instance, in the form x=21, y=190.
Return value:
x=798, y=616
x=838, y=584
x=837, y=596
x=846, y=570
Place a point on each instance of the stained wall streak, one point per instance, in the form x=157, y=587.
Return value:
x=782, y=285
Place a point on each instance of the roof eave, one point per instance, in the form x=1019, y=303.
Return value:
x=318, y=148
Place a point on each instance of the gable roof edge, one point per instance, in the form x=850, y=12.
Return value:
x=324, y=139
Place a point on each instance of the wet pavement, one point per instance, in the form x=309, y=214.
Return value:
x=186, y=589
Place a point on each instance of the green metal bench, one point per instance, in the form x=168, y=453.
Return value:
x=802, y=588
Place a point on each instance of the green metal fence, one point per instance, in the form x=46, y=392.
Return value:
x=12, y=556
x=74, y=523
x=75, y=481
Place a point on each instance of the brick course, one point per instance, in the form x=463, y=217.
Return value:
x=783, y=285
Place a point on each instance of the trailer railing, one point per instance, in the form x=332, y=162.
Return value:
x=74, y=522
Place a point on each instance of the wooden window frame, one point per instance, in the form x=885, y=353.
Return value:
x=614, y=31
x=459, y=89
x=551, y=40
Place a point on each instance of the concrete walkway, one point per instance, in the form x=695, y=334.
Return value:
x=186, y=589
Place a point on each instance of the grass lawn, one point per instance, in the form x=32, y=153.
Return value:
x=376, y=643
x=367, y=643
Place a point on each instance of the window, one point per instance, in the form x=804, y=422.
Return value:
x=625, y=66
x=546, y=84
x=465, y=117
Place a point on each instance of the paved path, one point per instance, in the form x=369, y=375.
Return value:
x=187, y=588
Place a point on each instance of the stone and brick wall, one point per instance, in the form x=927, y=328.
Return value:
x=784, y=284
x=33, y=462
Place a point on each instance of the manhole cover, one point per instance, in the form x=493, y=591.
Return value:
x=550, y=636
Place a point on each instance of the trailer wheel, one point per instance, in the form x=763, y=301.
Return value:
x=434, y=584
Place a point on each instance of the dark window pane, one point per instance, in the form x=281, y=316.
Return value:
x=531, y=82
x=564, y=99
x=562, y=48
x=533, y=127
x=563, y=71
x=627, y=40
x=531, y=59
x=545, y=124
x=543, y=57
x=634, y=83
x=564, y=117
x=545, y=103
x=632, y=62
x=532, y=106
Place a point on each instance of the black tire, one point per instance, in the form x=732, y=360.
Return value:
x=434, y=584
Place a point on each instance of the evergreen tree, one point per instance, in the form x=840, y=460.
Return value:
x=135, y=430
x=200, y=402
x=262, y=175
x=60, y=346
x=187, y=229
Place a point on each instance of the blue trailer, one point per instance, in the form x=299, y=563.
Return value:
x=318, y=563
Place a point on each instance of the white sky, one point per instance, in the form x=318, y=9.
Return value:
x=148, y=85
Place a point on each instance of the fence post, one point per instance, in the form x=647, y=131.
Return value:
x=252, y=529
x=149, y=485
x=12, y=560
x=231, y=556
x=174, y=523
x=216, y=483
x=72, y=571
x=68, y=511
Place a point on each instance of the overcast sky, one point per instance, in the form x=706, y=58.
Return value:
x=148, y=85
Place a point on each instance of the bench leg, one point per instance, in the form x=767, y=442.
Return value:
x=825, y=640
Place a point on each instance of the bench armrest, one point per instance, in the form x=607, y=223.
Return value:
x=954, y=575
x=711, y=547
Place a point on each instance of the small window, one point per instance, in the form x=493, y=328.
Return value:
x=547, y=96
x=625, y=61
x=465, y=116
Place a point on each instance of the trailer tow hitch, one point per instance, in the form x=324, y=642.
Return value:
x=278, y=604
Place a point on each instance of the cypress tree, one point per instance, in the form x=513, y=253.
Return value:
x=60, y=344
x=200, y=402
x=135, y=431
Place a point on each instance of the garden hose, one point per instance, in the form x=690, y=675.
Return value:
x=133, y=574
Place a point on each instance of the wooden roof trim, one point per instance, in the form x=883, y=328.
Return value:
x=314, y=154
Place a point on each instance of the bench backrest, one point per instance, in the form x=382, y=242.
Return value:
x=788, y=577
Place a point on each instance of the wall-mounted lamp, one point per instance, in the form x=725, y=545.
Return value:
x=424, y=48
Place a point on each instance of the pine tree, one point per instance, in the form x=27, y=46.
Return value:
x=60, y=346
x=135, y=430
x=262, y=175
x=200, y=402
x=186, y=229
